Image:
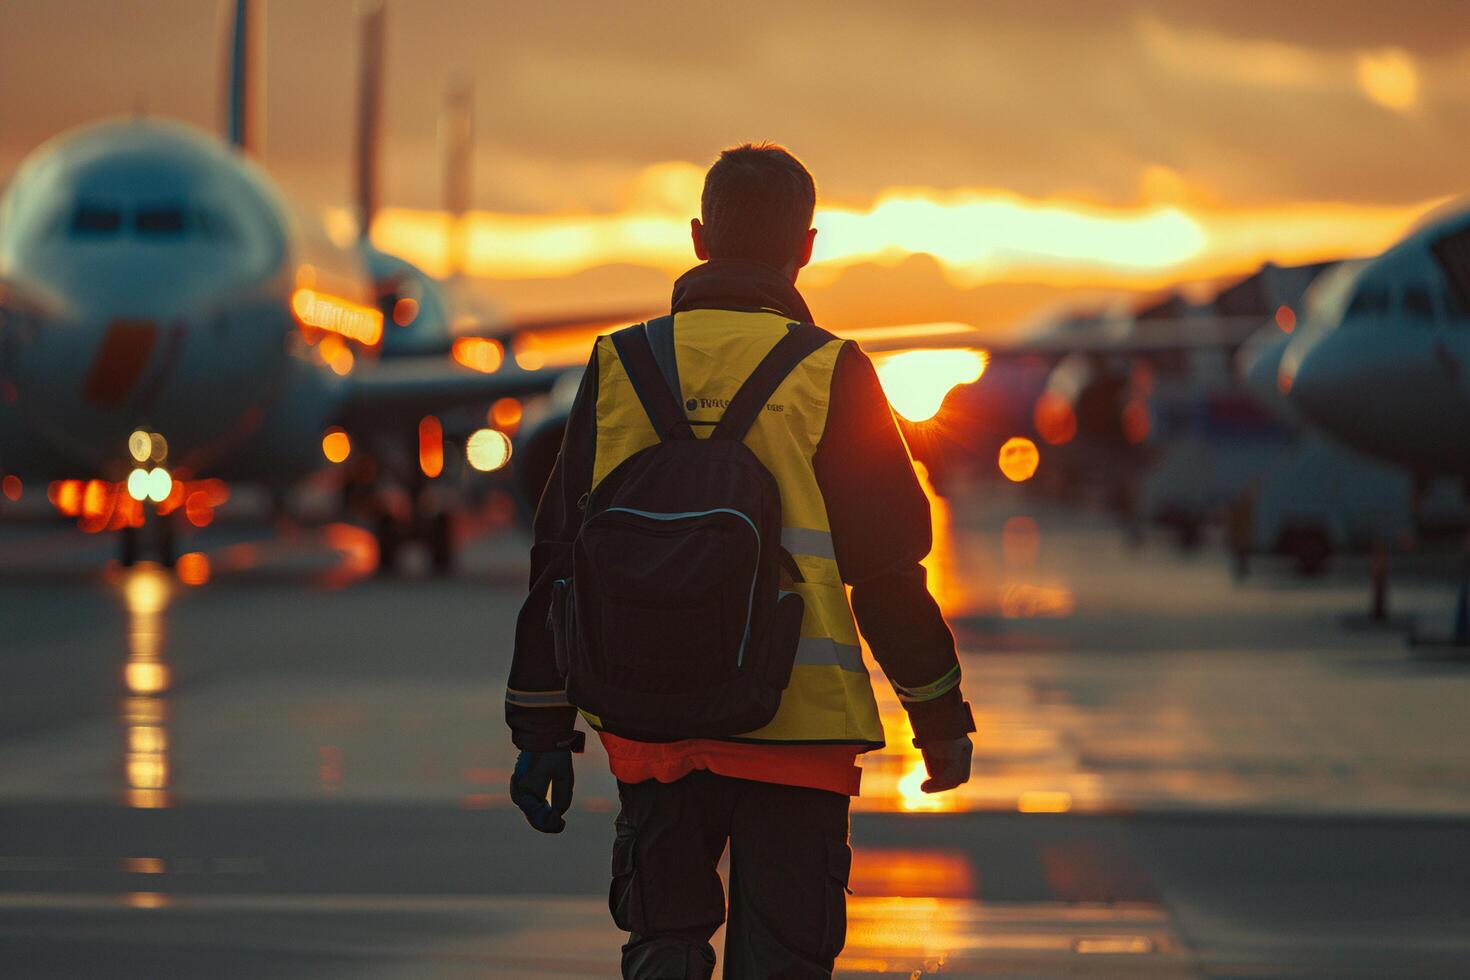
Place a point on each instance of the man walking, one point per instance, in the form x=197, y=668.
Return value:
x=731, y=722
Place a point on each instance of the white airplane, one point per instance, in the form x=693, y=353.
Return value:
x=1385, y=371
x=166, y=319
x=1389, y=374
x=1259, y=360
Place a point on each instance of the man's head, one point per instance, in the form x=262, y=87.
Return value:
x=757, y=207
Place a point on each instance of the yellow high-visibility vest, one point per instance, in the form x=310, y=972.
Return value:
x=830, y=696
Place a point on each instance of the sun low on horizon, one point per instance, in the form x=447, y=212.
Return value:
x=977, y=163
x=975, y=237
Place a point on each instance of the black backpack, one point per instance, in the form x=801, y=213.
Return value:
x=673, y=624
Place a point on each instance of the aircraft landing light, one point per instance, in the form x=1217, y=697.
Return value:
x=140, y=445
x=146, y=447
x=138, y=484
x=160, y=485
x=488, y=450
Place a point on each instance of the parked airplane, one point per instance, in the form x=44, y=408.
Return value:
x=1387, y=375
x=1390, y=374
x=398, y=464
x=166, y=319
x=1106, y=393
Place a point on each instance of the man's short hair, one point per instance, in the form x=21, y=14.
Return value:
x=757, y=205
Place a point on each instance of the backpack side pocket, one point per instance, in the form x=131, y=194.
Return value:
x=782, y=640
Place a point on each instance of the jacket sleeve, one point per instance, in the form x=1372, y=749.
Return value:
x=536, y=706
x=881, y=530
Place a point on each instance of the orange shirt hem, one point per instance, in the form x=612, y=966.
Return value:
x=829, y=767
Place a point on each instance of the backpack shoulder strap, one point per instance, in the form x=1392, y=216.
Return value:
x=801, y=339
x=663, y=408
x=661, y=338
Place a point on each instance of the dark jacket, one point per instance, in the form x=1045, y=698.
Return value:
x=876, y=509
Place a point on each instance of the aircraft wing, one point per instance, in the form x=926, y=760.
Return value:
x=916, y=336
x=601, y=320
x=1143, y=337
x=410, y=387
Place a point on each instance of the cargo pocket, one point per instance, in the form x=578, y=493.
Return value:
x=622, y=896
x=839, y=872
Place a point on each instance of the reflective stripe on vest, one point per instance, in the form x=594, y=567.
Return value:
x=822, y=651
x=830, y=697
x=807, y=541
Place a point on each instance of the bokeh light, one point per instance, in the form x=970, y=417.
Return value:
x=488, y=450
x=336, y=446
x=1019, y=459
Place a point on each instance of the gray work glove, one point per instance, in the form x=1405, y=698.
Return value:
x=948, y=762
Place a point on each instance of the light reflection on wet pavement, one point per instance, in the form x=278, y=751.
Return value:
x=1243, y=698
x=276, y=755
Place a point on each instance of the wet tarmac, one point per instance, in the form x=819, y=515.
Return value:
x=278, y=764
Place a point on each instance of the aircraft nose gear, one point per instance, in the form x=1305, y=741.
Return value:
x=431, y=525
x=160, y=532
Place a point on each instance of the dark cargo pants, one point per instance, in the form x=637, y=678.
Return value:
x=789, y=865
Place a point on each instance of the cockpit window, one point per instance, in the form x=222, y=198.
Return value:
x=1453, y=254
x=1370, y=301
x=214, y=224
x=1418, y=301
x=95, y=220
x=150, y=222
x=167, y=220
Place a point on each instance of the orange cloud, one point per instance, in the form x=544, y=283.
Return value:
x=977, y=235
x=1388, y=77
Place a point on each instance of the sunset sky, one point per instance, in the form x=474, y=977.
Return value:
x=975, y=161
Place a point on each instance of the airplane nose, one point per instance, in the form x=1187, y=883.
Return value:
x=1302, y=379
x=121, y=360
x=113, y=363
x=1325, y=383
x=1261, y=370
